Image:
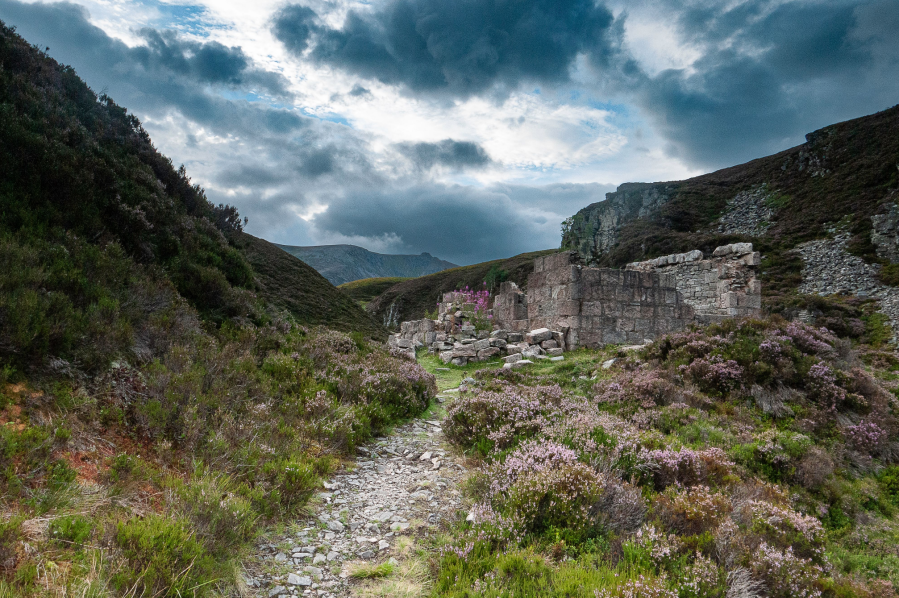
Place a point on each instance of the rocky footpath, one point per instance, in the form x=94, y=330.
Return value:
x=404, y=485
x=829, y=268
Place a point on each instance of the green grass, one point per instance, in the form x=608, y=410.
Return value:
x=370, y=570
x=364, y=290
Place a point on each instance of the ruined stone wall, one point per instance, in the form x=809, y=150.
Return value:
x=724, y=286
x=599, y=306
x=592, y=307
x=510, y=308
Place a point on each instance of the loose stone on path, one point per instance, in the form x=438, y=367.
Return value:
x=401, y=484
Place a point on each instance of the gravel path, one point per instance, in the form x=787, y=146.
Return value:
x=401, y=485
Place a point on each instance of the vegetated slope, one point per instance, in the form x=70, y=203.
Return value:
x=346, y=263
x=364, y=290
x=81, y=185
x=290, y=284
x=749, y=458
x=411, y=299
x=158, y=406
x=850, y=169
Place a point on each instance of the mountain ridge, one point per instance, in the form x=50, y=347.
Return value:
x=346, y=263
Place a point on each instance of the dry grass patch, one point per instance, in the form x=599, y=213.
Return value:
x=408, y=580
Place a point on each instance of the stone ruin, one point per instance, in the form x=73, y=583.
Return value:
x=567, y=305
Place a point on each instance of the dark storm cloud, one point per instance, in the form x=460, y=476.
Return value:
x=433, y=218
x=293, y=26
x=159, y=76
x=210, y=62
x=770, y=73
x=498, y=221
x=455, y=48
x=455, y=155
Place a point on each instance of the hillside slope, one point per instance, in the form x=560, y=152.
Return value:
x=847, y=170
x=290, y=284
x=346, y=263
x=411, y=299
x=92, y=214
x=364, y=290
x=159, y=407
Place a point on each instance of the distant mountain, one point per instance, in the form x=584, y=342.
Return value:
x=346, y=263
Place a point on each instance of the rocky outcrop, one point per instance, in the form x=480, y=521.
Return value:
x=594, y=229
x=829, y=269
x=885, y=234
x=748, y=213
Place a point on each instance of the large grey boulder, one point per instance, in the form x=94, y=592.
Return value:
x=538, y=336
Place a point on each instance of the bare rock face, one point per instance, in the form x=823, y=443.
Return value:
x=829, y=268
x=594, y=229
x=885, y=235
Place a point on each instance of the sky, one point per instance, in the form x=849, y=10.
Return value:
x=468, y=129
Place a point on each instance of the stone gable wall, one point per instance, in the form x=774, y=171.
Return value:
x=724, y=286
x=599, y=306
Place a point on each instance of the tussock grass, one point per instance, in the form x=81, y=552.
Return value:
x=363, y=570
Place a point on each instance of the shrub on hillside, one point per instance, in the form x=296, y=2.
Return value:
x=162, y=558
x=691, y=511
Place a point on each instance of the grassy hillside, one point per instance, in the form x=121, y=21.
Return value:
x=159, y=404
x=847, y=170
x=289, y=284
x=363, y=291
x=410, y=299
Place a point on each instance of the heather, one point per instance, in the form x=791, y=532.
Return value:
x=748, y=458
x=153, y=479
x=165, y=393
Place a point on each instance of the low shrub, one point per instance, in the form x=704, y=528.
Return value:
x=10, y=531
x=220, y=516
x=71, y=531
x=686, y=467
x=163, y=558
x=691, y=511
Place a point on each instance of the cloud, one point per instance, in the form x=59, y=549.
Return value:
x=454, y=155
x=458, y=223
x=457, y=49
x=768, y=73
x=293, y=25
x=160, y=76
x=209, y=62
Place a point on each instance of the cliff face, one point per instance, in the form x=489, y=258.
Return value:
x=594, y=230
